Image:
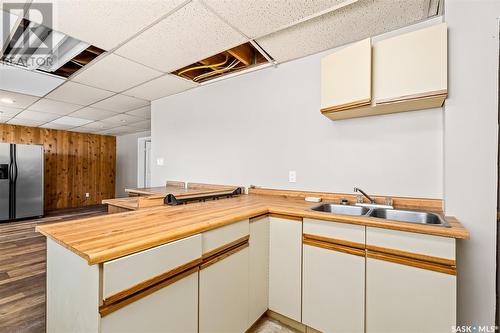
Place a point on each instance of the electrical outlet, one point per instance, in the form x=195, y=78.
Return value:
x=159, y=161
x=87, y=195
x=292, y=176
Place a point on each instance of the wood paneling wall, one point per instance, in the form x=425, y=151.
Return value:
x=75, y=164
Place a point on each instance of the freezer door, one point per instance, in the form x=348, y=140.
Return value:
x=4, y=181
x=29, y=181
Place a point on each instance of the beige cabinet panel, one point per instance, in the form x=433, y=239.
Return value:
x=333, y=295
x=224, y=295
x=402, y=298
x=411, y=65
x=125, y=272
x=258, y=268
x=346, y=77
x=285, y=267
x=173, y=309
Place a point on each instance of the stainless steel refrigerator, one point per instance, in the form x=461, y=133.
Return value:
x=21, y=181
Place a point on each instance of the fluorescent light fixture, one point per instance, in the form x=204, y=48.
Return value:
x=7, y=100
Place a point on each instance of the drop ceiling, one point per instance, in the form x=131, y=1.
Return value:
x=146, y=41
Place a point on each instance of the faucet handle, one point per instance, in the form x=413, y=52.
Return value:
x=359, y=198
x=388, y=201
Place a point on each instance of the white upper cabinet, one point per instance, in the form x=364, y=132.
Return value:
x=402, y=73
x=413, y=65
x=346, y=77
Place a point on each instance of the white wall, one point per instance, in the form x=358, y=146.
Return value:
x=254, y=128
x=126, y=162
x=471, y=118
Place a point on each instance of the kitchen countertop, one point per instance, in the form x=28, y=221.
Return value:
x=103, y=238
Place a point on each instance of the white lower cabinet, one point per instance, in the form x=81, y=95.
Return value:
x=258, y=269
x=224, y=295
x=285, y=267
x=401, y=298
x=172, y=309
x=333, y=294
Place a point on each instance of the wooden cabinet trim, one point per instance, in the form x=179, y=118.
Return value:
x=334, y=241
x=412, y=255
x=106, y=309
x=436, y=93
x=258, y=218
x=217, y=251
x=334, y=247
x=221, y=256
x=346, y=106
x=451, y=270
x=119, y=296
x=287, y=217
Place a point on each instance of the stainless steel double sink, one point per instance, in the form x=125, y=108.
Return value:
x=409, y=216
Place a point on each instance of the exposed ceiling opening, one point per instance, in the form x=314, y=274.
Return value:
x=38, y=47
x=238, y=58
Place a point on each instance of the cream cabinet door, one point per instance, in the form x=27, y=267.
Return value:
x=401, y=298
x=259, y=268
x=172, y=309
x=333, y=294
x=285, y=267
x=224, y=295
x=411, y=65
x=346, y=77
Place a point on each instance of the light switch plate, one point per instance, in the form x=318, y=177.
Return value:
x=159, y=161
x=292, y=176
x=87, y=195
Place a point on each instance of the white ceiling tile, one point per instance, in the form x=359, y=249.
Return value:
x=76, y=93
x=71, y=121
x=121, y=103
x=19, y=101
x=27, y=82
x=122, y=130
x=145, y=125
x=144, y=112
x=92, y=113
x=122, y=119
x=9, y=112
x=161, y=87
x=115, y=73
x=360, y=20
x=190, y=34
x=98, y=126
x=57, y=126
x=4, y=118
x=37, y=116
x=51, y=106
x=261, y=17
x=107, y=23
x=25, y=122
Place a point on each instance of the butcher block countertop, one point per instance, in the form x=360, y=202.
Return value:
x=103, y=238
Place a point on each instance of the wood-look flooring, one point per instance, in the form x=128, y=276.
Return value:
x=22, y=270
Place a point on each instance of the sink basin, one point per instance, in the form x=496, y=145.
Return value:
x=409, y=216
x=341, y=209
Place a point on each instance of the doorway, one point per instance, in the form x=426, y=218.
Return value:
x=144, y=162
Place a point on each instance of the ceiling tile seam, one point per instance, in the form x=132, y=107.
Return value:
x=309, y=17
x=158, y=20
x=124, y=92
x=248, y=39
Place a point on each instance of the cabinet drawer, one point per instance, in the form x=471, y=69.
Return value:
x=335, y=231
x=216, y=239
x=425, y=247
x=124, y=273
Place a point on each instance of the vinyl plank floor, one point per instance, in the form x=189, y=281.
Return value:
x=22, y=270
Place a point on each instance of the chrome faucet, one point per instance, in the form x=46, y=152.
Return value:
x=372, y=201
